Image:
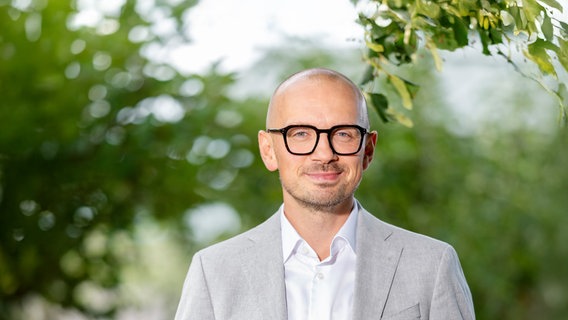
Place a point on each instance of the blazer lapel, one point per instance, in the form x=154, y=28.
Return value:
x=377, y=261
x=264, y=268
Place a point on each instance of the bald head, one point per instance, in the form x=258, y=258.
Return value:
x=316, y=78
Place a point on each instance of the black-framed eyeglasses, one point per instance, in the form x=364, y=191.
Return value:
x=302, y=140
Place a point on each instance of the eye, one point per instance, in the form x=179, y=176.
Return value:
x=300, y=133
x=345, y=133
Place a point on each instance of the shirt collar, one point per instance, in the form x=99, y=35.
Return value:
x=291, y=239
x=349, y=229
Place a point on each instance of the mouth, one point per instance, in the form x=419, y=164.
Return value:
x=324, y=176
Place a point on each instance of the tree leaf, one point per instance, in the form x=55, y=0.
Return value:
x=381, y=104
x=400, y=86
x=368, y=75
x=428, y=8
x=375, y=46
x=537, y=53
x=563, y=29
x=562, y=53
x=547, y=28
x=483, y=35
x=507, y=18
x=461, y=32
x=553, y=4
x=562, y=93
x=400, y=118
x=434, y=51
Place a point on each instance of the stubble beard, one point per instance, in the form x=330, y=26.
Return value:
x=324, y=200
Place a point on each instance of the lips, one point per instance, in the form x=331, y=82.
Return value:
x=326, y=174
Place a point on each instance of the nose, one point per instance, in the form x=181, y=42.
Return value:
x=323, y=151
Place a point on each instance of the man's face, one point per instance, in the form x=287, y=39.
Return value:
x=322, y=179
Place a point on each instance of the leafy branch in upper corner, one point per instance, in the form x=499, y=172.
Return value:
x=396, y=29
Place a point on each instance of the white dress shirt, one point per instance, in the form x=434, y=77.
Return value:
x=317, y=289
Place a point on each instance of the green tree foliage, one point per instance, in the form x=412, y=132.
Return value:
x=396, y=29
x=94, y=135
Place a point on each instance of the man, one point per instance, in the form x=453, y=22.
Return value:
x=322, y=256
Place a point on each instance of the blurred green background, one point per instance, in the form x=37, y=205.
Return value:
x=115, y=167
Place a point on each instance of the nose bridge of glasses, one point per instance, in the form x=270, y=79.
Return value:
x=329, y=139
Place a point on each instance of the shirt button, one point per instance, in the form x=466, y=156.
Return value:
x=319, y=276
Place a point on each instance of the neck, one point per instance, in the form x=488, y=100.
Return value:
x=318, y=227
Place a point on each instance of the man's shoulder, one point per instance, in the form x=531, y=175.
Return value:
x=404, y=237
x=244, y=240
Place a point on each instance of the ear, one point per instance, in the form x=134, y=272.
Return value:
x=267, y=150
x=370, y=143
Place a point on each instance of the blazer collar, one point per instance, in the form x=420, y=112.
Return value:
x=263, y=265
x=377, y=261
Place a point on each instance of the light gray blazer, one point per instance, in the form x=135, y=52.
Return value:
x=400, y=275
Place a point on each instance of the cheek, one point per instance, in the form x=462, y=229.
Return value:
x=287, y=163
x=356, y=170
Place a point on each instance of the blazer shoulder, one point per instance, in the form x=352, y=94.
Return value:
x=264, y=231
x=406, y=238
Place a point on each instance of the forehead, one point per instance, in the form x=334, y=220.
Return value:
x=320, y=101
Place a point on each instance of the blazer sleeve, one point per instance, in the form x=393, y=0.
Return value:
x=451, y=298
x=195, y=302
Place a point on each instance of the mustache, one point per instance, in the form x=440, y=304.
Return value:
x=328, y=167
